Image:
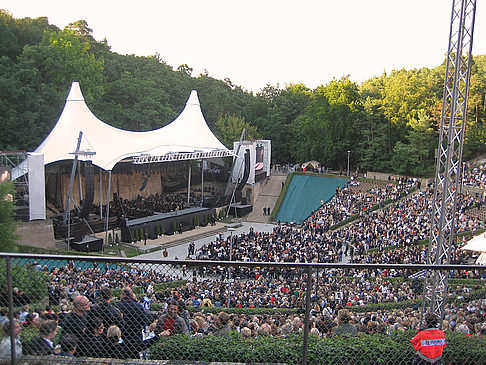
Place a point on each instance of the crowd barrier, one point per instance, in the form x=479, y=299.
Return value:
x=91, y=309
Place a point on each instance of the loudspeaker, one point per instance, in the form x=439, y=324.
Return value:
x=88, y=188
x=246, y=173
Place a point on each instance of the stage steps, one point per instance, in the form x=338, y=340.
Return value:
x=268, y=198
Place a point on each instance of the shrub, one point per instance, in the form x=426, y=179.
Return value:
x=196, y=221
x=363, y=349
x=34, y=283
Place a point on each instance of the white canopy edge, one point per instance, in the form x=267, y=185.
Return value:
x=477, y=243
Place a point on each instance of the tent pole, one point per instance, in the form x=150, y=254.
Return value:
x=80, y=186
x=189, y=184
x=107, y=208
x=71, y=182
x=101, y=195
x=202, y=182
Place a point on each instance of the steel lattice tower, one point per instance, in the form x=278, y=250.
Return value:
x=449, y=153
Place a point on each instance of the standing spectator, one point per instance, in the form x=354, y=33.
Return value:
x=68, y=344
x=344, y=327
x=429, y=342
x=107, y=312
x=93, y=342
x=75, y=322
x=119, y=349
x=171, y=323
x=134, y=316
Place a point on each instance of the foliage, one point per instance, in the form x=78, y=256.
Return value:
x=135, y=235
x=8, y=227
x=362, y=349
x=281, y=197
x=196, y=221
x=229, y=129
x=34, y=283
x=388, y=122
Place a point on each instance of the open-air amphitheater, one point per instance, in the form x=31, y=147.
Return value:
x=165, y=255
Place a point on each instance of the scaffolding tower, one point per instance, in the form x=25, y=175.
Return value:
x=449, y=153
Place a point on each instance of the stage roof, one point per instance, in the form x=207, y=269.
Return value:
x=186, y=137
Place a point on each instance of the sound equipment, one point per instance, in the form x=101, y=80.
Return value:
x=88, y=244
x=246, y=173
x=88, y=188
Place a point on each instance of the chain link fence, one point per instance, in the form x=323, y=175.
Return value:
x=60, y=309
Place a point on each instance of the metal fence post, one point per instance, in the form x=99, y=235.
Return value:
x=307, y=315
x=8, y=264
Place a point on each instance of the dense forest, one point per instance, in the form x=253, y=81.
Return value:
x=389, y=122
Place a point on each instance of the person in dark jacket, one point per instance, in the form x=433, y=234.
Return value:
x=42, y=345
x=75, y=322
x=93, y=340
x=134, y=316
x=117, y=348
x=68, y=344
x=107, y=312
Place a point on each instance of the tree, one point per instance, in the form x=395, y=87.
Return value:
x=417, y=156
x=278, y=112
x=8, y=238
x=328, y=127
x=229, y=128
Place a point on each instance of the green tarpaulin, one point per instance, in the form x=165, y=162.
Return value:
x=304, y=196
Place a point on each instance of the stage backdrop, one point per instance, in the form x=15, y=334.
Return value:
x=260, y=160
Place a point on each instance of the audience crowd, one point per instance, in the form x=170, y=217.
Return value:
x=93, y=323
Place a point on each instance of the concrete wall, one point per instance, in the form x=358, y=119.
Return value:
x=36, y=233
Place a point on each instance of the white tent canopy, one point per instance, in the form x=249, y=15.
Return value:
x=478, y=244
x=188, y=133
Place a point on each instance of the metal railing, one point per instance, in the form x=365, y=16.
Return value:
x=242, y=312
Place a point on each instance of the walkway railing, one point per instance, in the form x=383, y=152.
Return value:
x=242, y=312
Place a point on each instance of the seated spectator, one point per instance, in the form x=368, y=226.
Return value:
x=43, y=344
x=5, y=345
x=117, y=348
x=344, y=327
x=68, y=344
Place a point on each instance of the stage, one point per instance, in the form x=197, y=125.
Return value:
x=166, y=221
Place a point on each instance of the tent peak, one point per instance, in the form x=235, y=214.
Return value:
x=75, y=93
x=193, y=98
